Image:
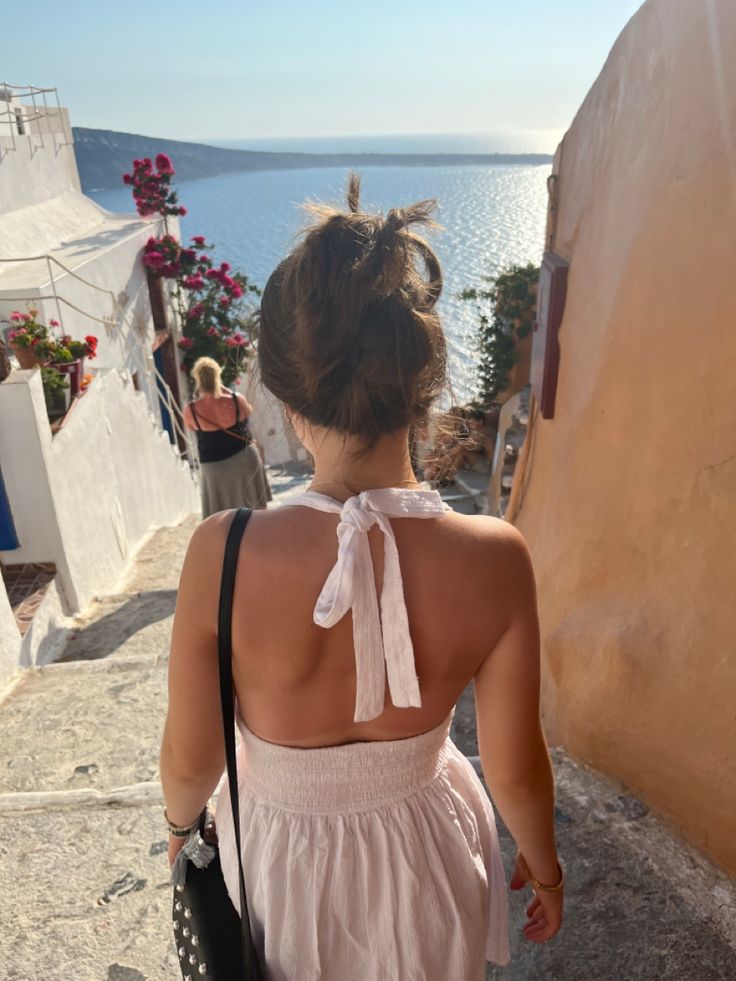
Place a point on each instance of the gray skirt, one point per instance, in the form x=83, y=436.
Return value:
x=239, y=481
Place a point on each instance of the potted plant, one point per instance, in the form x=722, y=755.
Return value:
x=55, y=392
x=29, y=339
x=67, y=358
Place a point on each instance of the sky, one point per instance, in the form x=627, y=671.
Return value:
x=292, y=68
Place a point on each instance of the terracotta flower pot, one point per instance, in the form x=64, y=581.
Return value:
x=27, y=357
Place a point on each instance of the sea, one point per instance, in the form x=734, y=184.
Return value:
x=490, y=216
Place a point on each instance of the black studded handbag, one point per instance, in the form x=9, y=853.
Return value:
x=211, y=939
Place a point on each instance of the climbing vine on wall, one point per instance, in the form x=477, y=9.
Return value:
x=506, y=312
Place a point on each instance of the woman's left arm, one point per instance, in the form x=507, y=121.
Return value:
x=193, y=749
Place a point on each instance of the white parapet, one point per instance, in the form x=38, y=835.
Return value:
x=87, y=497
x=37, y=161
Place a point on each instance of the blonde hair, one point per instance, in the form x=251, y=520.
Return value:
x=206, y=373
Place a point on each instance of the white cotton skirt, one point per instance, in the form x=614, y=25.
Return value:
x=374, y=861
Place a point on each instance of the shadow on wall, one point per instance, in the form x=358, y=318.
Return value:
x=107, y=635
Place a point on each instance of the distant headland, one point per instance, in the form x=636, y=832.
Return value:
x=103, y=156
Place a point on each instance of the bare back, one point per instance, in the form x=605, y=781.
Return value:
x=296, y=681
x=215, y=412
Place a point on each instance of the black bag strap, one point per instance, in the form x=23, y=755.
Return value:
x=224, y=645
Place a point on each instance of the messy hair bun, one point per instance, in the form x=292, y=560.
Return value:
x=349, y=335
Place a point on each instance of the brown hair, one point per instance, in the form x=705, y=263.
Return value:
x=206, y=373
x=349, y=335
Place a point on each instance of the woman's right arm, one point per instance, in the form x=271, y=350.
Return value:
x=246, y=409
x=513, y=749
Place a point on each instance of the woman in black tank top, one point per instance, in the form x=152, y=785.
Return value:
x=219, y=444
x=231, y=471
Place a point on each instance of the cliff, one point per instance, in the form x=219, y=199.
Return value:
x=103, y=156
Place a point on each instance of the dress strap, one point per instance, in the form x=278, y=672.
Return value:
x=236, y=407
x=382, y=641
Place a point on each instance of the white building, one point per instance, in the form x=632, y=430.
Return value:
x=75, y=503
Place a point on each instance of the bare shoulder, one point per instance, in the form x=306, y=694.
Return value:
x=498, y=554
x=206, y=548
x=488, y=532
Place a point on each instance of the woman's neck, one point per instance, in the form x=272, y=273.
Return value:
x=341, y=469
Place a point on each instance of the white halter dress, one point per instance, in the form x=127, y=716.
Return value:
x=373, y=861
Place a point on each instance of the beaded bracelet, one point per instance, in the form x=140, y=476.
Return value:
x=176, y=831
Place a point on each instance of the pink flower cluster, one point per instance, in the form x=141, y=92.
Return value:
x=151, y=188
x=214, y=322
x=237, y=340
x=165, y=256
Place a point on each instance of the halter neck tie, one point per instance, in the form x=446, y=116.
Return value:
x=382, y=641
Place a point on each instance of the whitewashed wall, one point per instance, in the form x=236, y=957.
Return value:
x=269, y=424
x=86, y=498
x=9, y=639
x=104, y=250
x=36, y=167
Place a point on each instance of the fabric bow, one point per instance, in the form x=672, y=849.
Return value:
x=382, y=641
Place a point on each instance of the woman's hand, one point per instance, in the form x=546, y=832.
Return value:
x=544, y=912
x=210, y=836
x=175, y=846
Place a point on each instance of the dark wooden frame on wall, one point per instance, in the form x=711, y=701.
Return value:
x=545, y=346
x=158, y=304
x=163, y=342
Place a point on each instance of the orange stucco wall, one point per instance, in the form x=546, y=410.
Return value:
x=629, y=496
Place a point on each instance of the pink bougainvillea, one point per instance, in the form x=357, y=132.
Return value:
x=151, y=188
x=210, y=298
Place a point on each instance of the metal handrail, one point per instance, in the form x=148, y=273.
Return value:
x=24, y=91
x=175, y=412
x=106, y=322
x=23, y=119
x=52, y=258
x=176, y=415
x=49, y=259
x=30, y=92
